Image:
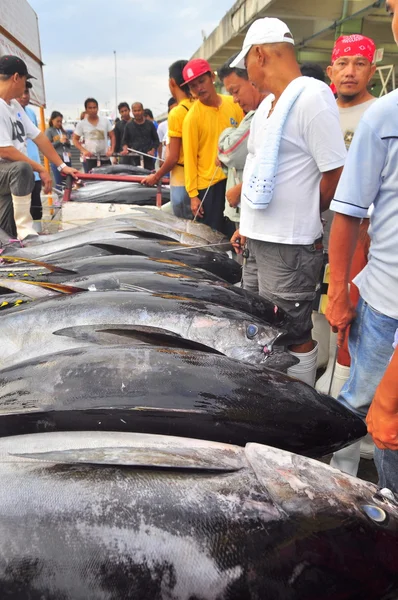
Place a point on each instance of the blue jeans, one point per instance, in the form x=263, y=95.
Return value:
x=370, y=345
x=180, y=202
x=387, y=468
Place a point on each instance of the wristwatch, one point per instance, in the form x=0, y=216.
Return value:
x=61, y=166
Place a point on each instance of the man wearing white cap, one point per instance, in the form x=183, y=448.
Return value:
x=296, y=154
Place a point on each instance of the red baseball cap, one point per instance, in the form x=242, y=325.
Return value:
x=195, y=68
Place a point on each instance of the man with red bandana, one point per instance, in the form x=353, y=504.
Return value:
x=370, y=178
x=351, y=71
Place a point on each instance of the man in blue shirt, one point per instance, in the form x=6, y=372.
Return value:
x=36, y=209
x=369, y=178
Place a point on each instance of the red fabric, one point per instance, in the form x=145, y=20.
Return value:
x=354, y=45
x=195, y=68
x=359, y=262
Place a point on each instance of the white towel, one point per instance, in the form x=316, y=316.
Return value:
x=259, y=189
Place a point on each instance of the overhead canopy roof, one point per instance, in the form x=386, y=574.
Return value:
x=314, y=24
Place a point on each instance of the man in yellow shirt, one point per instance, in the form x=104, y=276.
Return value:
x=174, y=162
x=206, y=120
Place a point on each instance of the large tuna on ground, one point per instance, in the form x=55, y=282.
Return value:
x=171, y=392
x=90, y=516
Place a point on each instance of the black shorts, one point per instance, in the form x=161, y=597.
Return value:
x=286, y=275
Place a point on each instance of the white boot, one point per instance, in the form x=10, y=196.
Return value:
x=367, y=447
x=305, y=370
x=22, y=216
x=347, y=459
x=321, y=334
x=341, y=374
x=323, y=383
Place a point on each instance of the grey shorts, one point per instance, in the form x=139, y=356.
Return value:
x=286, y=275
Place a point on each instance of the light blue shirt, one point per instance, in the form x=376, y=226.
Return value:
x=371, y=176
x=31, y=148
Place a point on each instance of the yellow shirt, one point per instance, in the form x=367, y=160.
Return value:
x=200, y=132
x=174, y=125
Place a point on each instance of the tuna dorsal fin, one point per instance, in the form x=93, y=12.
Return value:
x=38, y=263
x=214, y=457
x=38, y=289
x=141, y=334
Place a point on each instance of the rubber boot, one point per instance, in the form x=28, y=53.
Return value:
x=321, y=334
x=305, y=370
x=347, y=459
x=323, y=383
x=341, y=374
x=23, y=218
x=367, y=447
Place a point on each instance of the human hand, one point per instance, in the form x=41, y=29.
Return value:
x=70, y=171
x=109, y=152
x=340, y=313
x=151, y=152
x=238, y=242
x=46, y=181
x=124, y=151
x=382, y=422
x=197, y=207
x=218, y=162
x=150, y=180
x=233, y=195
x=87, y=154
x=63, y=139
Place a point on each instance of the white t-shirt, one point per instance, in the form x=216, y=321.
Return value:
x=311, y=144
x=162, y=131
x=15, y=126
x=95, y=136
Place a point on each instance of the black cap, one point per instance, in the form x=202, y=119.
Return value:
x=9, y=65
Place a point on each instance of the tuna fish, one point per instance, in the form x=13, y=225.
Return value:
x=171, y=392
x=216, y=262
x=101, y=516
x=120, y=193
x=55, y=324
x=163, y=282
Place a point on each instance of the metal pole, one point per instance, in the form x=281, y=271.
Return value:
x=114, y=52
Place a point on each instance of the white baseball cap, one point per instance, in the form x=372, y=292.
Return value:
x=263, y=31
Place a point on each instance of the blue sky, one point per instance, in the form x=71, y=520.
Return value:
x=78, y=38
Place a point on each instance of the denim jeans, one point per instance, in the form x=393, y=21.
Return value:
x=180, y=202
x=387, y=468
x=370, y=346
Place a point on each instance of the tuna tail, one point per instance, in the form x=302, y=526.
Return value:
x=39, y=264
x=138, y=334
x=38, y=289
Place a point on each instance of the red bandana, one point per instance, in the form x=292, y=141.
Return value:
x=354, y=45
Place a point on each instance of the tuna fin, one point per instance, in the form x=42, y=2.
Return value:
x=38, y=289
x=138, y=334
x=168, y=454
x=147, y=235
x=42, y=265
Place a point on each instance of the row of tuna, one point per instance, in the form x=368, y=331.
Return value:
x=151, y=445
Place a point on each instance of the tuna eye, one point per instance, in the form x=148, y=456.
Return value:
x=375, y=513
x=251, y=331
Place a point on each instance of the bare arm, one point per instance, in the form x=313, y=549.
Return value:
x=343, y=240
x=112, y=137
x=382, y=419
x=328, y=186
x=13, y=155
x=79, y=146
x=169, y=164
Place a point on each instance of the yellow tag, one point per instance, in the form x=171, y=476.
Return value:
x=4, y=304
x=18, y=302
x=11, y=275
